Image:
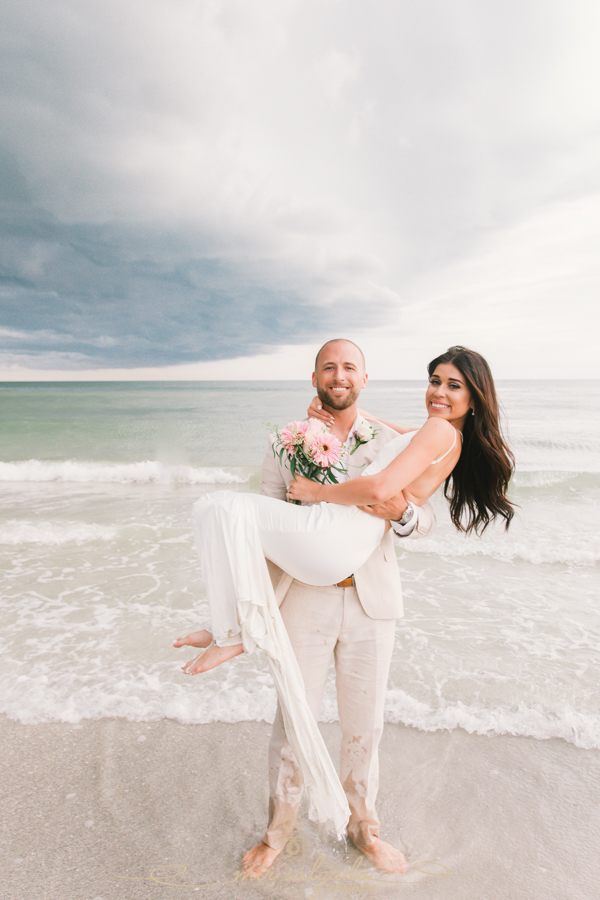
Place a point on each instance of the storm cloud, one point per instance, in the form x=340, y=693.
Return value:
x=115, y=295
x=207, y=179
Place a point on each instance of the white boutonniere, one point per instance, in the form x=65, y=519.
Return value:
x=362, y=435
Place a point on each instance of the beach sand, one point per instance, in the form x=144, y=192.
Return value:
x=114, y=809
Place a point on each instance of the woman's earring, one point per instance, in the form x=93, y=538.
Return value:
x=472, y=410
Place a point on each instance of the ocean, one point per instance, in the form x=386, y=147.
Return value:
x=501, y=634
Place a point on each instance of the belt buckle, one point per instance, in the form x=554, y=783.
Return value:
x=347, y=582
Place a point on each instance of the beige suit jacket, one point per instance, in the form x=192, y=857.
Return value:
x=378, y=580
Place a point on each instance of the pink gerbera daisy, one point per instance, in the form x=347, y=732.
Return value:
x=326, y=450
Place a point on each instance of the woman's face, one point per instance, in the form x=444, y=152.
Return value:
x=448, y=396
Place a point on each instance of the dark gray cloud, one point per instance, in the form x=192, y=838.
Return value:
x=105, y=295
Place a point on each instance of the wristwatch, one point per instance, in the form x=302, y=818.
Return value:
x=407, y=514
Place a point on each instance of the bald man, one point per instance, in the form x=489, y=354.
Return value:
x=353, y=620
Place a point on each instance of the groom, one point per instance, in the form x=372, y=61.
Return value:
x=353, y=620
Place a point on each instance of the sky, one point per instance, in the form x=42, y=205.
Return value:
x=213, y=188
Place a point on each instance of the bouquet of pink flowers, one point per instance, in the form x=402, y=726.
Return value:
x=312, y=451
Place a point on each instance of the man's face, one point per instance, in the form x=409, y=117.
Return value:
x=340, y=375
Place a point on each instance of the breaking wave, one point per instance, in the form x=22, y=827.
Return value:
x=146, y=472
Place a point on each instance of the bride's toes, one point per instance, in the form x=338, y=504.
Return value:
x=211, y=657
x=192, y=667
x=200, y=639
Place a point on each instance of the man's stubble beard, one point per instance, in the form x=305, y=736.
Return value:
x=334, y=402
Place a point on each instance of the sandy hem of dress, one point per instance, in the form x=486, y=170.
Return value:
x=225, y=515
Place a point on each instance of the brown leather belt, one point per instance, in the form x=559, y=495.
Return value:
x=347, y=582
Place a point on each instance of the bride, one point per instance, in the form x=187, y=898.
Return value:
x=318, y=544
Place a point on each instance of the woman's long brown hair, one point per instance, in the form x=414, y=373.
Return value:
x=476, y=488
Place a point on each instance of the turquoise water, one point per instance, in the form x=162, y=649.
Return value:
x=201, y=423
x=99, y=572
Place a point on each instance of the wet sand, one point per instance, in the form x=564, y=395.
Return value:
x=117, y=810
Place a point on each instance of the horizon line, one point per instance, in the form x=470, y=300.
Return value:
x=243, y=380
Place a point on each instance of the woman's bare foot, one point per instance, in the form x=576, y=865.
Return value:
x=385, y=857
x=195, y=639
x=212, y=657
x=256, y=861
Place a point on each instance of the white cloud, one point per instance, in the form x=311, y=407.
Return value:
x=335, y=70
x=526, y=297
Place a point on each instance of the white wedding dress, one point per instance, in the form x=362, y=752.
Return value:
x=320, y=544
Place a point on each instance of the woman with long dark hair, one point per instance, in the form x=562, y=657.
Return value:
x=459, y=444
x=476, y=486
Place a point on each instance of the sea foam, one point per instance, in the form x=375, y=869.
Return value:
x=138, y=694
x=580, y=729
x=537, y=549
x=47, y=534
x=144, y=472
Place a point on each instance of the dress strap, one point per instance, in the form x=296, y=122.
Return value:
x=436, y=461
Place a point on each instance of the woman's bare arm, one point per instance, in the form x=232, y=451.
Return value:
x=431, y=440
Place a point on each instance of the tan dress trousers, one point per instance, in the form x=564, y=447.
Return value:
x=321, y=621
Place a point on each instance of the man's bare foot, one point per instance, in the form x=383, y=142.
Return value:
x=385, y=857
x=256, y=861
x=212, y=657
x=195, y=639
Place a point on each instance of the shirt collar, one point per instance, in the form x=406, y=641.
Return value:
x=357, y=422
